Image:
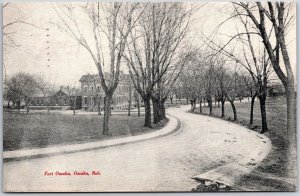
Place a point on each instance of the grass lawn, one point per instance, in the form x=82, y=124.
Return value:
x=271, y=175
x=35, y=130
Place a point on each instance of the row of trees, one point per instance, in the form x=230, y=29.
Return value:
x=270, y=22
x=259, y=48
x=23, y=87
x=150, y=39
x=210, y=78
x=145, y=37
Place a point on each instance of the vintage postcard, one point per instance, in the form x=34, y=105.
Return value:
x=149, y=96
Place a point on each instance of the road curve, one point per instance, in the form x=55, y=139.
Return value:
x=161, y=164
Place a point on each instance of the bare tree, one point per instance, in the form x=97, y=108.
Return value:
x=210, y=81
x=232, y=91
x=8, y=28
x=257, y=65
x=23, y=87
x=113, y=27
x=9, y=31
x=275, y=17
x=8, y=94
x=47, y=89
x=171, y=95
x=129, y=94
x=193, y=78
x=251, y=93
x=152, y=47
x=137, y=101
x=222, y=84
x=188, y=85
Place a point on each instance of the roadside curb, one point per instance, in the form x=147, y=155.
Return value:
x=228, y=174
x=174, y=125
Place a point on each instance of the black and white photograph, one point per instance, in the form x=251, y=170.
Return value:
x=106, y=96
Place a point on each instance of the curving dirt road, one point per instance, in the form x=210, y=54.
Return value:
x=163, y=164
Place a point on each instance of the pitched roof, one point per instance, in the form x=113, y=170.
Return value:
x=91, y=77
x=87, y=77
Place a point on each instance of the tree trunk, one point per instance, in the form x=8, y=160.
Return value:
x=234, y=110
x=209, y=101
x=192, y=105
x=74, y=105
x=290, y=97
x=252, y=108
x=262, y=102
x=155, y=104
x=19, y=106
x=223, y=109
x=147, y=112
x=8, y=104
x=47, y=105
x=171, y=100
x=200, y=105
x=130, y=98
x=160, y=110
x=99, y=106
x=107, y=113
x=218, y=103
x=138, y=106
x=27, y=108
x=129, y=107
x=291, y=130
x=163, y=110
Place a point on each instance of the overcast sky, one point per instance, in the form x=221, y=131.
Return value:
x=68, y=61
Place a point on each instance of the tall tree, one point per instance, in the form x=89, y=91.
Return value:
x=257, y=63
x=251, y=93
x=210, y=81
x=23, y=88
x=152, y=47
x=277, y=17
x=47, y=89
x=165, y=86
x=108, y=23
x=222, y=84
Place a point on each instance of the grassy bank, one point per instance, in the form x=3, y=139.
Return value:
x=271, y=174
x=37, y=130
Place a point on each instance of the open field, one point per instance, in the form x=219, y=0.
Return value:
x=36, y=130
x=271, y=174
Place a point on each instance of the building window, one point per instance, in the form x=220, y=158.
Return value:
x=85, y=100
x=92, y=89
x=98, y=89
x=85, y=89
x=91, y=104
x=42, y=101
x=65, y=101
